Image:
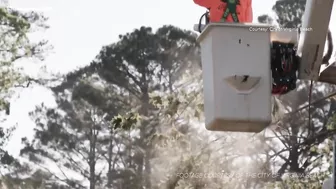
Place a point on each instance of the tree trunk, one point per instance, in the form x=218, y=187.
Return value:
x=92, y=158
x=144, y=136
x=109, y=172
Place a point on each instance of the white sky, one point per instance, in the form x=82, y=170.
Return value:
x=79, y=28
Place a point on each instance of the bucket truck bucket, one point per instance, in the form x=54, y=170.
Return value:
x=236, y=76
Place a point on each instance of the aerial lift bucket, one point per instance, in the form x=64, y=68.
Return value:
x=236, y=76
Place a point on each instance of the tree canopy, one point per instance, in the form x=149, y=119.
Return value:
x=132, y=118
x=15, y=45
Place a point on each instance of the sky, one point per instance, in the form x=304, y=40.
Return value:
x=78, y=30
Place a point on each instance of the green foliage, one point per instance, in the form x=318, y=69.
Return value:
x=265, y=19
x=289, y=13
x=15, y=45
x=332, y=123
x=5, y=158
x=125, y=122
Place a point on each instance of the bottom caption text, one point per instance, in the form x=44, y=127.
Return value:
x=239, y=175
